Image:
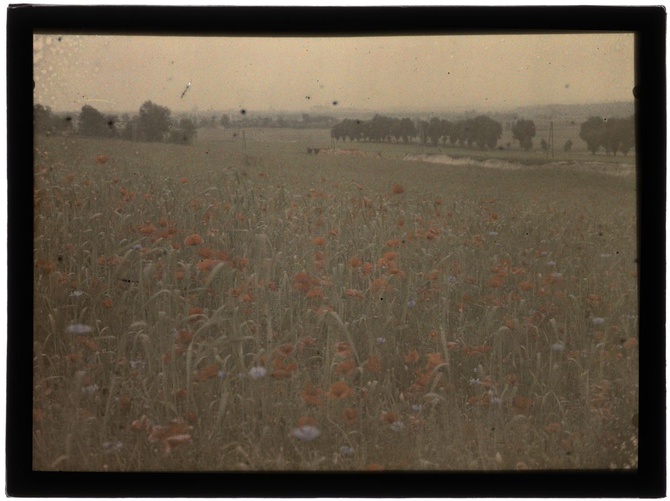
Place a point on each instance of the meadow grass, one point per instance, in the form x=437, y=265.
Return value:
x=209, y=308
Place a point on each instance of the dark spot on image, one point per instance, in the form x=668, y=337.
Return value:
x=334, y=103
x=243, y=111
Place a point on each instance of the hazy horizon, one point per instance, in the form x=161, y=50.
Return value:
x=321, y=75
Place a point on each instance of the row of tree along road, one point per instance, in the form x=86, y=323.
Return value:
x=154, y=123
x=613, y=135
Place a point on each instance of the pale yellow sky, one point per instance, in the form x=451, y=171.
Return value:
x=484, y=72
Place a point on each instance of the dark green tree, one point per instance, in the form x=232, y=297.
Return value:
x=458, y=133
x=422, y=131
x=112, y=126
x=445, y=130
x=619, y=135
x=92, y=123
x=154, y=122
x=47, y=122
x=129, y=131
x=42, y=118
x=434, y=131
x=592, y=132
x=524, y=132
x=407, y=129
x=626, y=133
x=184, y=132
x=485, y=132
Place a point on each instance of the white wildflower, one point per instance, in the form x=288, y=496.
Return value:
x=557, y=347
x=109, y=447
x=79, y=329
x=397, y=426
x=598, y=320
x=90, y=389
x=257, y=372
x=137, y=365
x=306, y=433
x=346, y=451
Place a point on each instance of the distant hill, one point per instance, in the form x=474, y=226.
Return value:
x=576, y=111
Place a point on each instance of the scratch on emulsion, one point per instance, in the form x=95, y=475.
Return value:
x=187, y=87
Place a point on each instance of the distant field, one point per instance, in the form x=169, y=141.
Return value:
x=294, y=139
x=232, y=306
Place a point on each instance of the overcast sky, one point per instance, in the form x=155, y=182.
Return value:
x=483, y=72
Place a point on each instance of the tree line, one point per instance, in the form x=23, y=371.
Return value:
x=481, y=131
x=153, y=123
x=615, y=134
x=302, y=121
x=610, y=134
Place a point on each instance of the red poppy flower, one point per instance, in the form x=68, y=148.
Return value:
x=374, y=364
x=412, y=357
x=434, y=360
x=340, y=390
x=389, y=417
x=526, y=286
x=193, y=240
x=311, y=395
x=350, y=415
x=209, y=372
x=521, y=405
x=343, y=349
x=306, y=421
x=283, y=351
x=355, y=262
x=346, y=367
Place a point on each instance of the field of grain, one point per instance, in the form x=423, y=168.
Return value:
x=247, y=306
